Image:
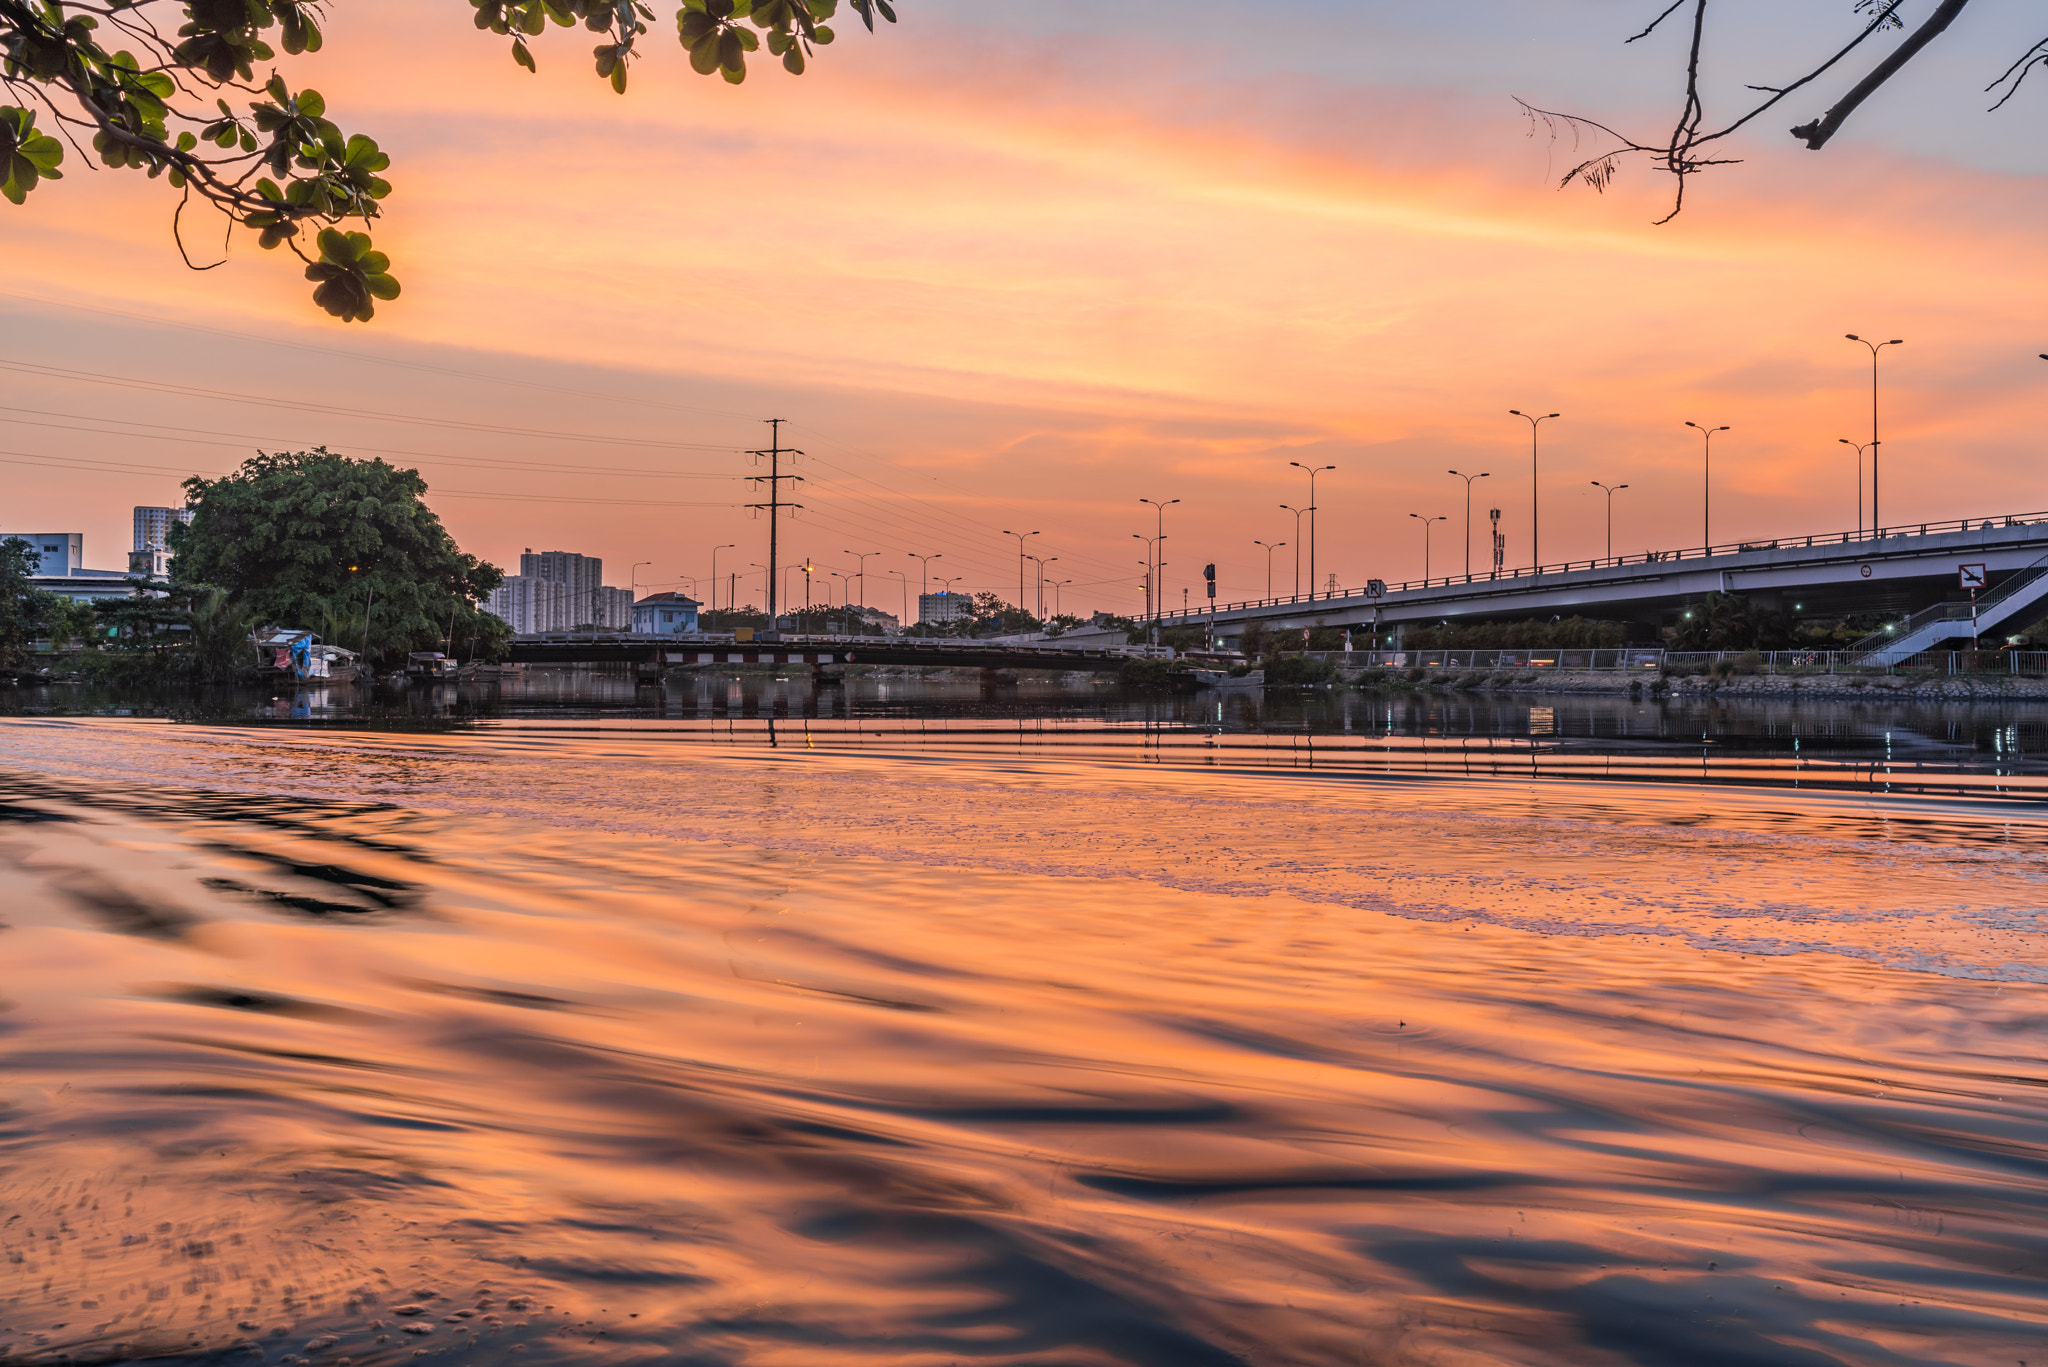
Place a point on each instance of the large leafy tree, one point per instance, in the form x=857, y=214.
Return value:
x=165, y=88
x=318, y=540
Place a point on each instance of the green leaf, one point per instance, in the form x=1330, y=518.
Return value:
x=522, y=56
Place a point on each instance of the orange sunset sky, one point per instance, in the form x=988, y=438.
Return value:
x=1015, y=267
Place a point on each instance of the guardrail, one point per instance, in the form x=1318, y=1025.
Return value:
x=1816, y=542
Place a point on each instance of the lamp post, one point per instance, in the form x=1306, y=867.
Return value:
x=1313, y=471
x=1861, y=447
x=1057, y=585
x=1611, y=491
x=1151, y=579
x=1041, y=563
x=862, y=573
x=1468, y=513
x=1020, y=564
x=1875, y=347
x=1269, y=562
x=903, y=621
x=1425, y=521
x=633, y=579
x=728, y=546
x=1159, y=554
x=924, y=579
x=1535, y=526
x=948, y=583
x=1290, y=508
x=1707, y=484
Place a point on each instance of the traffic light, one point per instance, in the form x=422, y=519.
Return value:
x=1209, y=573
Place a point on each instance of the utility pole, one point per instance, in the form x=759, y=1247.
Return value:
x=773, y=479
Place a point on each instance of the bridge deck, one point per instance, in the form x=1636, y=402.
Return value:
x=1893, y=569
x=827, y=651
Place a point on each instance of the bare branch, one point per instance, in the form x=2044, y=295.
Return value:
x=1817, y=133
x=2017, y=72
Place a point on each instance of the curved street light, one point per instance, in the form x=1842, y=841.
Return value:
x=1875, y=347
x=1425, y=521
x=1270, y=548
x=1313, y=471
x=1290, y=508
x=728, y=546
x=1020, y=564
x=1535, y=525
x=1707, y=484
x=1484, y=474
x=924, y=578
x=1861, y=447
x=1159, y=554
x=1612, y=490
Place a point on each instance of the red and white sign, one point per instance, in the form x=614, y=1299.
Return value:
x=1970, y=576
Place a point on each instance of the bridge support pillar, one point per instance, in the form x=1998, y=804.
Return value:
x=647, y=671
x=828, y=675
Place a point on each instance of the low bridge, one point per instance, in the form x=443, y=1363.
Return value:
x=1893, y=570
x=821, y=652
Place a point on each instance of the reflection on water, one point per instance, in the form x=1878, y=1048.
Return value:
x=963, y=1038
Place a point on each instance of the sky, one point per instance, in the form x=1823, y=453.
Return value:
x=1014, y=268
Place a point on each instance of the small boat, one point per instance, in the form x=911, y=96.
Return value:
x=430, y=664
x=1223, y=678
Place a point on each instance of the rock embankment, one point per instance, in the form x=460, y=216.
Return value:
x=1903, y=687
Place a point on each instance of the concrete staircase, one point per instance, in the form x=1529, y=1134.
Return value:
x=1929, y=627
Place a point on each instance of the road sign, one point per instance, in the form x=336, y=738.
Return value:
x=1375, y=588
x=1971, y=576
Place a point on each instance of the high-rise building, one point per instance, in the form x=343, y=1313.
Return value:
x=612, y=609
x=531, y=605
x=937, y=609
x=581, y=575
x=153, y=526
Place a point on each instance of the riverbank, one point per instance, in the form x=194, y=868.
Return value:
x=1903, y=687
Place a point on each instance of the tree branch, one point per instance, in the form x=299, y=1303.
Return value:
x=1816, y=134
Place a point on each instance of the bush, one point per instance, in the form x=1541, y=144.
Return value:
x=1288, y=671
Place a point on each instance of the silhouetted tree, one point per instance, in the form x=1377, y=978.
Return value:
x=1695, y=138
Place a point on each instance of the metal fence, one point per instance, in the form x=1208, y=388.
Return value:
x=1645, y=660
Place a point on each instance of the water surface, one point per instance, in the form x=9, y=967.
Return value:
x=951, y=1035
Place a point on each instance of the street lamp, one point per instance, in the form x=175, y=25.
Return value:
x=924, y=579
x=1425, y=521
x=728, y=546
x=1313, y=471
x=634, y=578
x=1875, y=347
x=1612, y=490
x=862, y=574
x=1158, y=554
x=1057, y=585
x=1290, y=508
x=1020, y=564
x=1041, y=563
x=1861, y=447
x=1535, y=545
x=1151, y=577
x=1468, y=514
x=903, y=622
x=1707, y=484
x=1269, y=562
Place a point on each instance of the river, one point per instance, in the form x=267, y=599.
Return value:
x=743, y=1023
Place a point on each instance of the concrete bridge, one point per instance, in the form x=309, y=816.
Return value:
x=1893, y=570
x=824, y=653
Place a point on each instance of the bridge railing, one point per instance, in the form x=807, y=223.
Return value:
x=1527, y=572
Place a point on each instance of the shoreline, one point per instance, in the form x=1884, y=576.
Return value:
x=1779, y=687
